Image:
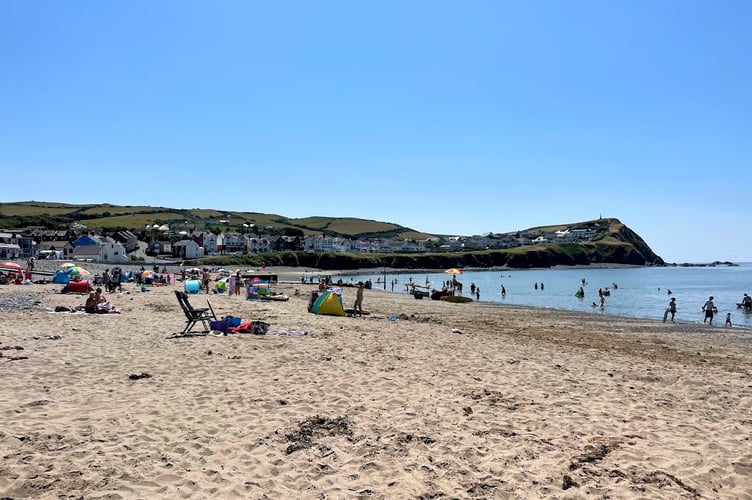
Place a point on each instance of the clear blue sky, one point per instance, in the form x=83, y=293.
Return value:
x=447, y=117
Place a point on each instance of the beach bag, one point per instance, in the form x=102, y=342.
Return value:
x=219, y=326
x=259, y=327
x=233, y=321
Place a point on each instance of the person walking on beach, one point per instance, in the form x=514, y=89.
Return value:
x=671, y=309
x=709, y=309
x=728, y=320
x=477, y=293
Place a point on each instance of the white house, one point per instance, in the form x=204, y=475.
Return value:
x=208, y=241
x=319, y=243
x=112, y=251
x=187, y=249
x=258, y=245
x=342, y=245
x=233, y=242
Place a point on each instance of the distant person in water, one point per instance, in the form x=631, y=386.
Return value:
x=747, y=302
x=728, y=320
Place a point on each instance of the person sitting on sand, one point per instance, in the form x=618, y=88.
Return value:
x=103, y=305
x=90, y=306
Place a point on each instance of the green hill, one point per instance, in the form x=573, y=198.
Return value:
x=110, y=217
x=611, y=242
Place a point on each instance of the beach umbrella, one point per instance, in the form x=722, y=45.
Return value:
x=453, y=270
x=67, y=265
x=77, y=271
x=147, y=274
x=11, y=265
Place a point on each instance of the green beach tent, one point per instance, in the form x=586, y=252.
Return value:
x=329, y=303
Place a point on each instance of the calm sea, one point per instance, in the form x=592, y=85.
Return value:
x=639, y=292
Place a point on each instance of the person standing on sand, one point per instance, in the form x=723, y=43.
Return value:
x=238, y=284
x=358, y=306
x=670, y=309
x=709, y=309
x=206, y=279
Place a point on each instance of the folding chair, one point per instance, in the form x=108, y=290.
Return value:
x=194, y=315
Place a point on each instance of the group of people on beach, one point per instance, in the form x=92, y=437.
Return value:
x=709, y=309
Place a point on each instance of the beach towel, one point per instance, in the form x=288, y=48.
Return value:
x=290, y=332
x=255, y=327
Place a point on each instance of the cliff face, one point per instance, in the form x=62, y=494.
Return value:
x=637, y=249
x=614, y=244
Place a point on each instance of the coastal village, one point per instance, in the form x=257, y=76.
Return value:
x=187, y=242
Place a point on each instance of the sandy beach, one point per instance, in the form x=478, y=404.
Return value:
x=446, y=401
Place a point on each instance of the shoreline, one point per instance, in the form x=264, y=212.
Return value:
x=291, y=276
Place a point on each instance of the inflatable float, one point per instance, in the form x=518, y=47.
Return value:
x=458, y=299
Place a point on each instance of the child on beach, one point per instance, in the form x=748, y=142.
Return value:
x=728, y=319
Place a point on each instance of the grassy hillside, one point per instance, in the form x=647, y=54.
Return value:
x=614, y=243
x=106, y=216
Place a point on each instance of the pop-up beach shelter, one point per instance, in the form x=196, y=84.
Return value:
x=60, y=277
x=330, y=303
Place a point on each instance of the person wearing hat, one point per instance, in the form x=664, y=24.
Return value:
x=670, y=309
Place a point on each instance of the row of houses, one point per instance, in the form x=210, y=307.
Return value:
x=123, y=246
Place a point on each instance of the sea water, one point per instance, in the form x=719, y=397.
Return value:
x=641, y=292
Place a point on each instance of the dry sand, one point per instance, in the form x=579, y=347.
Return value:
x=522, y=403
